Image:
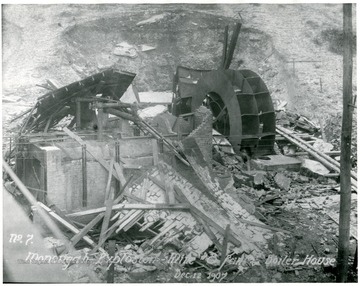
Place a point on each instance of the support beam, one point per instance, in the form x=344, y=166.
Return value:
x=84, y=176
x=232, y=45
x=78, y=115
x=76, y=238
x=45, y=216
x=132, y=207
x=345, y=160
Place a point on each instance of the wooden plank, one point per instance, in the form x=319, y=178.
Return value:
x=157, y=182
x=133, y=221
x=120, y=172
x=163, y=232
x=225, y=244
x=208, y=220
x=98, y=218
x=66, y=224
x=144, y=188
x=116, y=224
x=345, y=160
x=207, y=229
x=90, y=151
x=155, y=149
x=132, y=206
x=136, y=199
x=111, y=230
x=77, y=237
x=108, y=184
x=111, y=272
x=134, y=216
x=109, y=195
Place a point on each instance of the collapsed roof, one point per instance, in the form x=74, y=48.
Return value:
x=55, y=105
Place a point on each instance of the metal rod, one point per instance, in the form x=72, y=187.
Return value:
x=84, y=176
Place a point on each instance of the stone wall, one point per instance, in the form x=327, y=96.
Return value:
x=203, y=131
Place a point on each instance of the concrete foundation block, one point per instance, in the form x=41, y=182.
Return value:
x=276, y=163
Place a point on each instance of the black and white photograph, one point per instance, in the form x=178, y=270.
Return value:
x=179, y=142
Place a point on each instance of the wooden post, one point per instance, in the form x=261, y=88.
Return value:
x=100, y=123
x=232, y=45
x=345, y=162
x=117, y=160
x=112, y=249
x=78, y=115
x=84, y=176
x=226, y=35
x=225, y=244
x=155, y=151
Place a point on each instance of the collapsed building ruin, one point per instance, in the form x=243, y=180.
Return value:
x=102, y=171
x=95, y=163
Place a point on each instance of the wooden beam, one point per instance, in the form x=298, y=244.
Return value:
x=155, y=149
x=77, y=237
x=132, y=207
x=225, y=47
x=99, y=217
x=89, y=149
x=109, y=198
x=111, y=272
x=232, y=45
x=43, y=214
x=345, y=160
x=225, y=244
x=66, y=224
x=197, y=212
x=131, y=220
x=120, y=173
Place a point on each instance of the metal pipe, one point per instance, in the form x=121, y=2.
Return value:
x=84, y=176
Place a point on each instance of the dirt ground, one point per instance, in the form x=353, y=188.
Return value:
x=296, y=49
x=65, y=43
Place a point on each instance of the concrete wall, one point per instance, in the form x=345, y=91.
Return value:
x=59, y=168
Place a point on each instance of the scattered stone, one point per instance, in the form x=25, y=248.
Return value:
x=84, y=279
x=125, y=50
x=152, y=19
x=322, y=146
x=146, y=48
x=242, y=179
x=314, y=167
x=282, y=181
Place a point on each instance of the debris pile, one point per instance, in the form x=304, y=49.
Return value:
x=141, y=194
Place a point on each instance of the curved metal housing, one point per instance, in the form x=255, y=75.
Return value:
x=240, y=101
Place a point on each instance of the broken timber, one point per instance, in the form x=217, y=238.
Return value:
x=323, y=158
x=132, y=207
